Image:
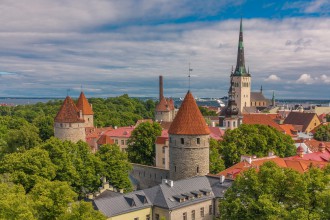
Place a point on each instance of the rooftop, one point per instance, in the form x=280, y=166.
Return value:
x=189, y=119
x=68, y=112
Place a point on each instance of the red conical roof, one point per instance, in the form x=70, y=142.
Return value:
x=189, y=119
x=162, y=105
x=68, y=112
x=84, y=105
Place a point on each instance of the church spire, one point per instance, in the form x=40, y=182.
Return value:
x=240, y=65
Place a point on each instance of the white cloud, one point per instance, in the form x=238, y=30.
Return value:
x=317, y=5
x=325, y=79
x=273, y=78
x=305, y=79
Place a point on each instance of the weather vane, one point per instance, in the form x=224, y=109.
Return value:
x=189, y=71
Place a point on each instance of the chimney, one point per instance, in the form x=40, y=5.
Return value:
x=222, y=179
x=322, y=147
x=161, y=94
x=246, y=158
x=170, y=183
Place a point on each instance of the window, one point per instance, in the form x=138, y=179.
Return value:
x=234, y=124
x=70, y=125
x=147, y=217
x=163, y=161
x=116, y=141
x=170, y=140
x=198, y=140
x=174, y=168
x=157, y=216
x=184, y=216
x=122, y=142
x=210, y=210
x=197, y=169
x=137, y=218
x=164, y=148
x=182, y=140
x=202, y=212
x=61, y=125
x=192, y=214
x=228, y=124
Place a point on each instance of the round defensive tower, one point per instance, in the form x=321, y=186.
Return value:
x=189, y=142
x=68, y=123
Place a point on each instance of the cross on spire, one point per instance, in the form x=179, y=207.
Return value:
x=189, y=71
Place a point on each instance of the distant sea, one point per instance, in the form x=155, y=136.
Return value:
x=206, y=101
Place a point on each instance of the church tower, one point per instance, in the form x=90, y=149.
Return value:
x=241, y=78
x=69, y=122
x=189, y=142
x=231, y=119
x=86, y=109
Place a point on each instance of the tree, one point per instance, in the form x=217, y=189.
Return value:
x=216, y=162
x=207, y=112
x=82, y=211
x=141, y=144
x=23, y=138
x=29, y=167
x=322, y=133
x=116, y=166
x=51, y=198
x=277, y=193
x=14, y=204
x=256, y=140
x=45, y=124
x=75, y=164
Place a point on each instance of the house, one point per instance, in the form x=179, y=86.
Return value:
x=119, y=136
x=192, y=198
x=301, y=121
x=261, y=119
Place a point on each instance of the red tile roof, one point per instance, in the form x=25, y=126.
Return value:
x=104, y=139
x=123, y=132
x=189, y=119
x=68, y=112
x=315, y=156
x=84, y=105
x=165, y=105
x=216, y=133
x=313, y=144
x=161, y=140
x=298, y=165
x=262, y=119
x=289, y=130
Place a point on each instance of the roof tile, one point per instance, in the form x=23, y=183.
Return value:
x=189, y=119
x=84, y=105
x=68, y=112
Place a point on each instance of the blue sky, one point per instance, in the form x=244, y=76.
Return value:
x=122, y=46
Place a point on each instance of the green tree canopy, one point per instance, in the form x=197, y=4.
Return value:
x=141, y=144
x=216, y=162
x=82, y=211
x=115, y=166
x=323, y=133
x=256, y=140
x=277, y=193
x=14, y=204
x=51, y=198
x=29, y=167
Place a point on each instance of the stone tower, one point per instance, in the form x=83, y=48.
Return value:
x=86, y=109
x=189, y=142
x=69, y=122
x=241, y=78
x=165, y=110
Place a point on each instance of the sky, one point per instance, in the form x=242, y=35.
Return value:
x=112, y=47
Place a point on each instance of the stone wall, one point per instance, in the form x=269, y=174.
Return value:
x=144, y=177
x=163, y=116
x=190, y=158
x=89, y=120
x=70, y=131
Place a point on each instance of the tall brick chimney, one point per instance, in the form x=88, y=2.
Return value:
x=161, y=94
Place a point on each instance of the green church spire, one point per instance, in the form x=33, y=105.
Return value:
x=240, y=65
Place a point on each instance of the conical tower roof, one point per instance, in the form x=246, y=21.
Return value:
x=84, y=105
x=240, y=69
x=68, y=112
x=189, y=119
